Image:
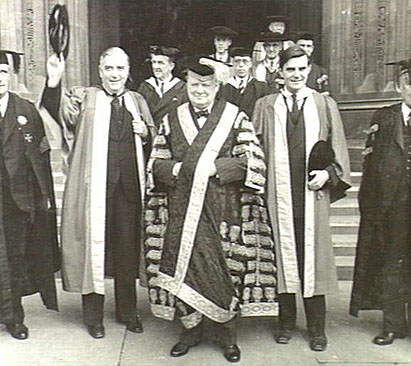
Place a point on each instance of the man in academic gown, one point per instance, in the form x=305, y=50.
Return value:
x=107, y=132
x=242, y=89
x=382, y=275
x=28, y=236
x=162, y=91
x=209, y=253
x=290, y=124
x=317, y=78
x=268, y=70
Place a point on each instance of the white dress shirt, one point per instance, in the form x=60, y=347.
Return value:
x=3, y=104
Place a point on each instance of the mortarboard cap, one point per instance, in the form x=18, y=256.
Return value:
x=223, y=31
x=15, y=56
x=204, y=65
x=289, y=53
x=241, y=51
x=272, y=37
x=403, y=64
x=277, y=18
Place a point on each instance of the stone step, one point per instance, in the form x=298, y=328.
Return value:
x=345, y=268
x=344, y=245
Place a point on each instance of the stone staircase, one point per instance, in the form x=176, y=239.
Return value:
x=345, y=218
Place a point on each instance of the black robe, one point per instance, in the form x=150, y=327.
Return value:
x=26, y=166
x=161, y=106
x=383, y=172
x=254, y=90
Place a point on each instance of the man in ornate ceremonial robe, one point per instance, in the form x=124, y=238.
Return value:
x=317, y=78
x=107, y=131
x=28, y=231
x=290, y=124
x=242, y=89
x=208, y=249
x=162, y=91
x=268, y=70
x=382, y=275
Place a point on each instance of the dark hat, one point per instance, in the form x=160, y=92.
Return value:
x=15, y=57
x=223, y=31
x=289, y=53
x=192, y=63
x=277, y=18
x=164, y=50
x=303, y=35
x=272, y=37
x=59, y=30
x=321, y=156
x=241, y=51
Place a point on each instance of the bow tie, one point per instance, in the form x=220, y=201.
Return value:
x=202, y=113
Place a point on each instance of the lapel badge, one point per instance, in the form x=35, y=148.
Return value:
x=28, y=137
x=22, y=120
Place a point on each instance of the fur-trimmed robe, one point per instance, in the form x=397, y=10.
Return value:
x=208, y=246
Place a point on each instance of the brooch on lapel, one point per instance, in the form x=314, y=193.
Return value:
x=22, y=121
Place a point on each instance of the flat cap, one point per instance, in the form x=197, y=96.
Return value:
x=223, y=31
x=304, y=35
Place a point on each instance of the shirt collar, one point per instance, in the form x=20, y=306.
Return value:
x=405, y=113
x=301, y=94
x=4, y=101
x=208, y=109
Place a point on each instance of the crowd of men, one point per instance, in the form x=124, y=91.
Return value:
x=214, y=191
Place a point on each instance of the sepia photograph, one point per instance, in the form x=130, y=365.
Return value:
x=205, y=182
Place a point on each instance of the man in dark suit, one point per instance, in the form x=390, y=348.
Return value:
x=242, y=89
x=382, y=274
x=163, y=90
x=28, y=239
x=317, y=78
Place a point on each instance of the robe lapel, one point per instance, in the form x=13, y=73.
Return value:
x=10, y=119
x=397, y=128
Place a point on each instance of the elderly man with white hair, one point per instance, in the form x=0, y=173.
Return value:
x=106, y=131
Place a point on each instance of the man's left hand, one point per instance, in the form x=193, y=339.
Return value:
x=139, y=128
x=318, y=180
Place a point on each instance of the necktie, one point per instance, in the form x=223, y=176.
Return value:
x=241, y=86
x=161, y=87
x=202, y=113
x=116, y=110
x=294, y=111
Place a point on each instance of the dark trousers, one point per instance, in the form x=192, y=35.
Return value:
x=224, y=334
x=315, y=307
x=121, y=260
x=16, y=224
x=395, y=316
x=314, y=312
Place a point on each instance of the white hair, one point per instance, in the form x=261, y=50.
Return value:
x=113, y=51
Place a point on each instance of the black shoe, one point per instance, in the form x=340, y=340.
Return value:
x=283, y=336
x=135, y=325
x=18, y=330
x=232, y=353
x=179, y=349
x=318, y=343
x=385, y=338
x=96, y=331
